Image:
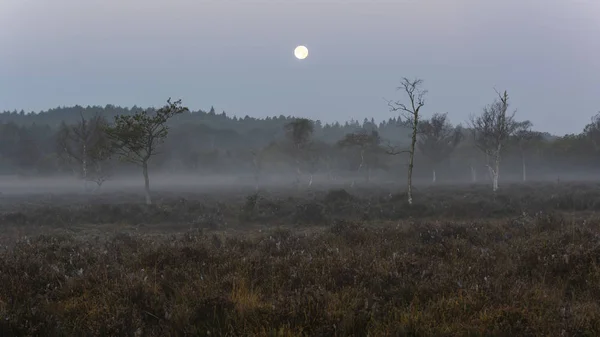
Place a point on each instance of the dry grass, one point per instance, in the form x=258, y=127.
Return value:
x=531, y=274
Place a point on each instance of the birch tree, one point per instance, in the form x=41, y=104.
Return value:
x=411, y=112
x=86, y=146
x=137, y=137
x=437, y=140
x=491, y=130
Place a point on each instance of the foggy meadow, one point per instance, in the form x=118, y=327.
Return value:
x=46, y=152
x=165, y=221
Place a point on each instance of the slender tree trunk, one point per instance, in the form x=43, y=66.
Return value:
x=410, y=168
x=412, y=157
x=360, y=166
x=473, y=174
x=310, y=181
x=496, y=172
x=146, y=183
x=433, y=179
x=493, y=176
x=362, y=161
x=298, y=175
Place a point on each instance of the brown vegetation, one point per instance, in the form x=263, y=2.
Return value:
x=459, y=261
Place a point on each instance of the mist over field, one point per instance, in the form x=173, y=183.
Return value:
x=242, y=182
x=431, y=168
x=166, y=221
x=204, y=149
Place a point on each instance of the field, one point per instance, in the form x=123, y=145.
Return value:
x=460, y=261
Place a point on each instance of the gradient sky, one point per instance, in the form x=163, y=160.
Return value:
x=238, y=56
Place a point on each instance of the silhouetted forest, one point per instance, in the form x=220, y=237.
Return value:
x=211, y=142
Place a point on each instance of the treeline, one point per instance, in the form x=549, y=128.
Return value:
x=56, y=142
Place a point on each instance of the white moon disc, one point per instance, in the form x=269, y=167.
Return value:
x=301, y=52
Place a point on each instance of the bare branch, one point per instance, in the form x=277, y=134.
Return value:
x=492, y=129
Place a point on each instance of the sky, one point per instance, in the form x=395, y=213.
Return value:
x=238, y=56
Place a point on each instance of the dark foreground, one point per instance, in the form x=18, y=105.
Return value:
x=460, y=262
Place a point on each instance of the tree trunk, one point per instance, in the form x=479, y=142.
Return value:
x=362, y=161
x=496, y=172
x=433, y=179
x=410, y=168
x=298, y=175
x=257, y=180
x=146, y=183
x=493, y=177
x=495, y=186
x=310, y=181
x=473, y=174
x=412, y=156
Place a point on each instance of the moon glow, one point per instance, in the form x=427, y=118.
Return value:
x=301, y=52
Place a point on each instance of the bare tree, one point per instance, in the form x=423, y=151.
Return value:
x=137, y=137
x=86, y=145
x=416, y=97
x=368, y=147
x=299, y=133
x=491, y=130
x=437, y=139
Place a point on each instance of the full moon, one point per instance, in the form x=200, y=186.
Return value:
x=301, y=52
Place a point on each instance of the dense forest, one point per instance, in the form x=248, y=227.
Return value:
x=208, y=142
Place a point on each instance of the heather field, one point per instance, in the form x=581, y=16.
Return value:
x=332, y=262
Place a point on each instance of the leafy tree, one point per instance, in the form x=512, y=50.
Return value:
x=438, y=139
x=137, y=137
x=299, y=133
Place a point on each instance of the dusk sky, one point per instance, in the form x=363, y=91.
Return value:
x=238, y=56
